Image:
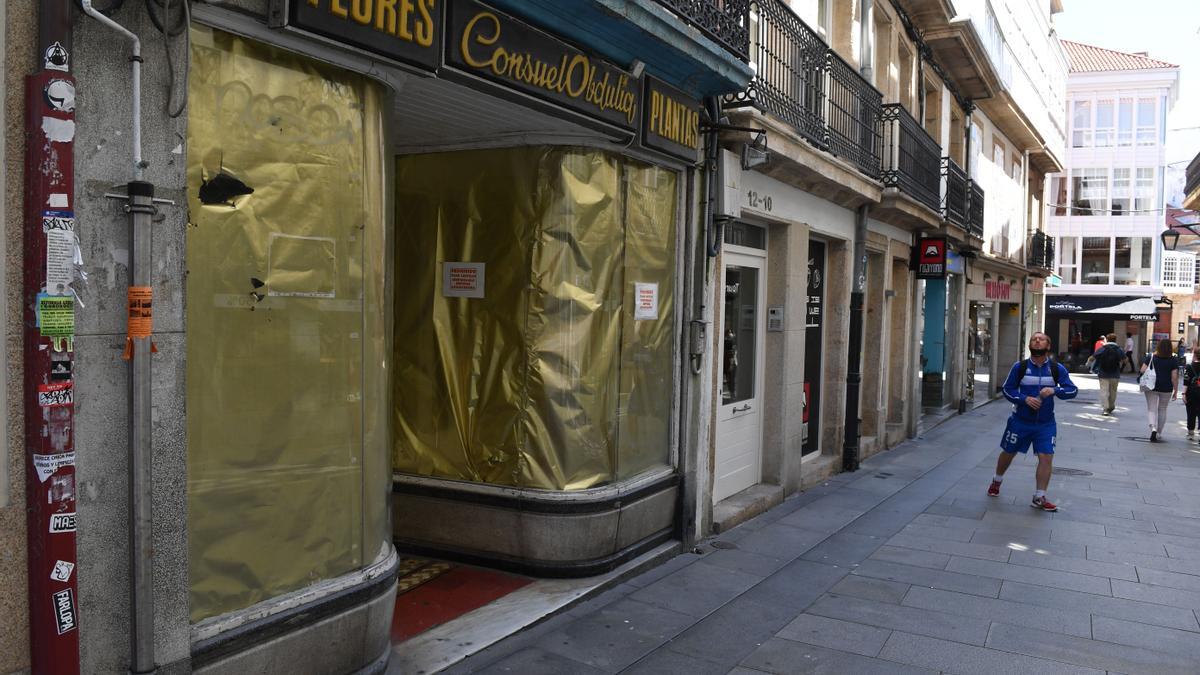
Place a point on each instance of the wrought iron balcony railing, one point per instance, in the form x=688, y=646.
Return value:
x=911, y=158
x=954, y=201
x=1040, y=252
x=853, y=116
x=727, y=22
x=974, y=209
x=804, y=83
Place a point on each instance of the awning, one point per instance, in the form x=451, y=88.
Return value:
x=1120, y=307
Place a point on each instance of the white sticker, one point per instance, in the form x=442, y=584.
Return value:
x=46, y=465
x=58, y=220
x=463, y=279
x=60, y=261
x=62, y=522
x=57, y=58
x=645, y=298
x=57, y=200
x=60, y=95
x=62, y=571
x=64, y=610
x=58, y=130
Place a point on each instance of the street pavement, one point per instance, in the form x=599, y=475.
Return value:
x=907, y=566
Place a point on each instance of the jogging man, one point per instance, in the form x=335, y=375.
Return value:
x=1031, y=386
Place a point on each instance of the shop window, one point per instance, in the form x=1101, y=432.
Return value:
x=286, y=398
x=1089, y=192
x=1132, y=261
x=1096, y=260
x=556, y=370
x=1081, y=124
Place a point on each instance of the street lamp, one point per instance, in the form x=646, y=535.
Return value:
x=1170, y=239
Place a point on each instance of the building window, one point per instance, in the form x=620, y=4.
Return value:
x=1058, y=194
x=1089, y=192
x=1132, y=261
x=1105, y=132
x=1068, y=258
x=1081, y=124
x=1122, y=196
x=1170, y=270
x=1179, y=271
x=998, y=152
x=1145, y=200
x=1125, y=122
x=1096, y=260
x=1145, y=122
x=815, y=13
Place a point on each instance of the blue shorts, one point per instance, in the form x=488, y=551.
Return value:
x=1018, y=436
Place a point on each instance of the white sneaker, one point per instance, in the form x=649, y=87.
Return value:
x=1191, y=434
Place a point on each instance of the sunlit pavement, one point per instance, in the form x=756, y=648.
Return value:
x=906, y=566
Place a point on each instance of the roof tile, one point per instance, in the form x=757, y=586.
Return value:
x=1089, y=59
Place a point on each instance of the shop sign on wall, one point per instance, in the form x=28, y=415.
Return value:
x=497, y=47
x=463, y=279
x=407, y=31
x=997, y=289
x=670, y=120
x=931, y=258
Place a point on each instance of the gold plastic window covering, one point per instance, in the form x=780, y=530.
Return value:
x=287, y=396
x=560, y=376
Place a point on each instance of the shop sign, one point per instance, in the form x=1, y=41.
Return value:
x=1053, y=280
x=994, y=289
x=955, y=263
x=1035, y=284
x=497, y=47
x=931, y=258
x=407, y=31
x=670, y=120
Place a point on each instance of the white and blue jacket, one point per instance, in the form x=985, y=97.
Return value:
x=1029, y=383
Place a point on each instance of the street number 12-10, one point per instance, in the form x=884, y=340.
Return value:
x=757, y=201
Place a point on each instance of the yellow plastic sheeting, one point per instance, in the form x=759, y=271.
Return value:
x=284, y=182
x=524, y=386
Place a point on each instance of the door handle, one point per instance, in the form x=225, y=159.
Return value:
x=738, y=410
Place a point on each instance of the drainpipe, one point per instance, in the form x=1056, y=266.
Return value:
x=139, y=197
x=850, y=447
x=48, y=348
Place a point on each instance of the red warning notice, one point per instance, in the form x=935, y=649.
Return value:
x=463, y=280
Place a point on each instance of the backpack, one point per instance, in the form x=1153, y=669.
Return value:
x=1053, y=369
x=1110, y=358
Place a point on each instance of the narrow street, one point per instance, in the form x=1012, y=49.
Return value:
x=908, y=567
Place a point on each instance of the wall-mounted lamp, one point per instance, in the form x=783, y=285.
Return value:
x=637, y=68
x=755, y=153
x=1170, y=239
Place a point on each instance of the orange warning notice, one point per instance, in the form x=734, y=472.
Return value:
x=141, y=311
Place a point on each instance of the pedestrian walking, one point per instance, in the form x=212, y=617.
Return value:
x=1181, y=349
x=1191, y=391
x=1160, y=384
x=1109, y=361
x=1129, y=353
x=1099, y=344
x=1031, y=387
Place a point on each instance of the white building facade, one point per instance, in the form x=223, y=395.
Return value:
x=1106, y=209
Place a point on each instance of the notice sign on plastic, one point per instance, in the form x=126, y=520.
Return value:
x=645, y=297
x=462, y=279
x=46, y=465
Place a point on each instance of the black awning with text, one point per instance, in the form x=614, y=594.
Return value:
x=1121, y=307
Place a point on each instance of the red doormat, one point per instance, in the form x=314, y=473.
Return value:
x=432, y=592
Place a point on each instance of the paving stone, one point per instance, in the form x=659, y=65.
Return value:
x=1162, y=595
x=835, y=634
x=1076, y=565
x=538, y=662
x=899, y=617
x=880, y=522
x=1182, y=552
x=1173, y=579
x=696, y=589
x=871, y=589
x=910, y=556
x=844, y=549
x=1008, y=538
x=600, y=644
x=823, y=518
x=670, y=567
x=954, y=657
x=797, y=585
x=781, y=541
x=1178, y=526
x=795, y=658
x=963, y=510
x=644, y=618
x=1087, y=652
x=1116, y=607
x=733, y=631
x=923, y=576
x=664, y=661
x=984, y=551
x=1135, y=634
x=747, y=562
x=962, y=535
x=1158, y=562
x=1031, y=575
x=992, y=609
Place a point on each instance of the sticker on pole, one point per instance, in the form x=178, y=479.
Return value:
x=58, y=220
x=64, y=610
x=62, y=522
x=62, y=571
x=645, y=298
x=57, y=58
x=56, y=315
x=55, y=394
x=46, y=465
x=141, y=311
x=60, y=260
x=463, y=279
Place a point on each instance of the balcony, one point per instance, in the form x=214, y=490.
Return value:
x=726, y=22
x=954, y=201
x=1040, y=252
x=805, y=84
x=974, y=209
x=911, y=158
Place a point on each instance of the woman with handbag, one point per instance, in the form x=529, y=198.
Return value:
x=1191, y=391
x=1160, y=384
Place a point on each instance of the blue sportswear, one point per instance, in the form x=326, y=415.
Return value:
x=1022, y=384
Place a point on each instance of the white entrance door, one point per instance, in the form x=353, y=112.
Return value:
x=739, y=416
